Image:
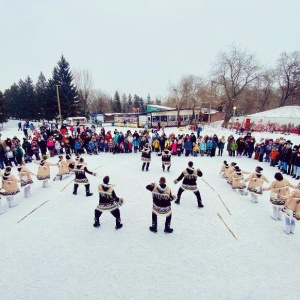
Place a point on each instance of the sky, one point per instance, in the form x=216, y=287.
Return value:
x=56, y=253
x=141, y=46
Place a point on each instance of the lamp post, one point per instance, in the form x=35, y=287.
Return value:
x=58, y=102
x=210, y=99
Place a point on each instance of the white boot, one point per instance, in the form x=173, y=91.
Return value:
x=43, y=184
x=275, y=213
x=255, y=198
x=252, y=198
x=279, y=213
x=2, y=210
x=287, y=225
x=46, y=183
x=10, y=201
x=27, y=191
x=293, y=225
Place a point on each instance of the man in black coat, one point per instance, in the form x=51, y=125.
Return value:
x=189, y=176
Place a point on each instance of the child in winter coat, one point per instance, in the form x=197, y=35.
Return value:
x=274, y=156
x=196, y=149
x=174, y=148
x=58, y=148
x=111, y=146
x=135, y=143
x=202, y=147
x=10, y=157
x=209, y=146
x=101, y=145
x=106, y=148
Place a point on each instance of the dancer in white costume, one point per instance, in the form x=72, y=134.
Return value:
x=279, y=187
x=43, y=173
x=224, y=168
x=26, y=180
x=63, y=169
x=238, y=182
x=9, y=187
x=291, y=210
x=256, y=181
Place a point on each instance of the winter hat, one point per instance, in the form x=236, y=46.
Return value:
x=190, y=164
x=45, y=157
x=68, y=156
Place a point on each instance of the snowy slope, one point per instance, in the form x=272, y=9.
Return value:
x=285, y=111
x=56, y=253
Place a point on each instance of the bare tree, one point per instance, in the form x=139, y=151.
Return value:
x=184, y=94
x=100, y=102
x=264, y=89
x=234, y=71
x=84, y=83
x=288, y=75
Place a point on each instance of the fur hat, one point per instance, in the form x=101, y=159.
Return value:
x=190, y=164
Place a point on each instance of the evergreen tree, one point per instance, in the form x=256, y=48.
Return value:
x=129, y=107
x=116, y=105
x=11, y=98
x=157, y=101
x=136, y=101
x=129, y=100
x=124, y=103
x=148, y=99
x=68, y=95
x=27, y=99
x=41, y=97
x=3, y=116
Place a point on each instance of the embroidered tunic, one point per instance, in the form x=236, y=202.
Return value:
x=292, y=205
x=25, y=177
x=256, y=183
x=279, y=189
x=9, y=186
x=165, y=157
x=162, y=197
x=43, y=172
x=108, y=199
x=190, y=176
x=146, y=155
x=80, y=169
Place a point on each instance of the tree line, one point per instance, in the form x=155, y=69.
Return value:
x=77, y=97
x=236, y=84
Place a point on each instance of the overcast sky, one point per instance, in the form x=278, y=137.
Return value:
x=139, y=46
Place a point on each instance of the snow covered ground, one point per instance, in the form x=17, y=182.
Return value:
x=56, y=253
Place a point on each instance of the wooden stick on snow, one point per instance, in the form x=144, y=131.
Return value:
x=208, y=184
x=32, y=211
x=227, y=227
x=224, y=204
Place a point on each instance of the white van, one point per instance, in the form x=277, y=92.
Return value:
x=76, y=121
